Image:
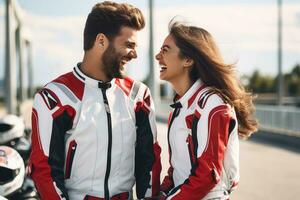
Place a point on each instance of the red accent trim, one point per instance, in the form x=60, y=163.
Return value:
x=125, y=84
x=40, y=169
x=147, y=101
x=35, y=127
x=189, y=121
x=176, y=98
x=234, y=185
x=70, y=155
x=215, y=174
x=197, y=114
x=87, y=197
x=71, y=111
x=210, y=126
x=73, y=83
x=121, y=196
x=170, y=117
x=209, y=167
x=192, y=99
x=141, y=106
x=167, y=184
x=156, y=169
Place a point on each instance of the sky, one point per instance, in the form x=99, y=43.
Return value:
x=245, y=31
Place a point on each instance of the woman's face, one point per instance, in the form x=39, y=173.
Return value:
x=171, y=65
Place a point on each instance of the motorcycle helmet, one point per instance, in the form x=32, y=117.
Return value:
x=26, y=192
x=12, y=134
x=11, y=127
x=12, y=171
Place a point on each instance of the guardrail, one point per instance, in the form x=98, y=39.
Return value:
x=279, y=119
x=273, y=119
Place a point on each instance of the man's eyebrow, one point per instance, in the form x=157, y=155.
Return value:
x=134, y=44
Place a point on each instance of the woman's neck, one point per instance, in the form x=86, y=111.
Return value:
x=181, y=86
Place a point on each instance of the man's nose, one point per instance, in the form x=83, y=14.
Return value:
x=133, y=54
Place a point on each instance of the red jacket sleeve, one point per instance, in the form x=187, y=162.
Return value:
x=50, y=121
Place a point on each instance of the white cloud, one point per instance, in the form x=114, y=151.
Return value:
x=58, y=40
x=240, y=30
x=2, y=8
x=246, y=24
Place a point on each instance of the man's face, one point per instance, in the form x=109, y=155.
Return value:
x=120, y=51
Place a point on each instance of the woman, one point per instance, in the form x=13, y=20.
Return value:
x=211, y=109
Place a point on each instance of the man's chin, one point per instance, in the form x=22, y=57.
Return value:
x=119, y=74
x=122, y=74
x=122, y=70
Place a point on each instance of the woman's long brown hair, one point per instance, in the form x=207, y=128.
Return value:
x=197, y=44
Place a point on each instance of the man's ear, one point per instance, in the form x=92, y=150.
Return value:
x=188, y=62
x=101, y=41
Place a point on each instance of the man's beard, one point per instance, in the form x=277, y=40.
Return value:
x=111, y=60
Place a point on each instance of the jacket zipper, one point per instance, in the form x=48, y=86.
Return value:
x=108, y=163
x=70, y=158
x=190, y=149
x=174, y=115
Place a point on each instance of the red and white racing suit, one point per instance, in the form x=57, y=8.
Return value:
x=203, y=147
x=94, y=140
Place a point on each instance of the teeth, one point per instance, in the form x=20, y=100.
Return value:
x=162, y=68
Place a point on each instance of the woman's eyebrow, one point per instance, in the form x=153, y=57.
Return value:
x=166, y=46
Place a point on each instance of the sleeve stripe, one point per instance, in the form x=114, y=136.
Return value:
x=35, y=120
x=215, y=111
x=135, y=90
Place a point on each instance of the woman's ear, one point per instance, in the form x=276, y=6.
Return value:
x=188, y=62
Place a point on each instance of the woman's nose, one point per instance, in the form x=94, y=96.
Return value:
x=158, y=56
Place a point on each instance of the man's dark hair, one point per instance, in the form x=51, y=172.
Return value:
x=108, y=18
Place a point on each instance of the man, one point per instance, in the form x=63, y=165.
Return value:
x=94, y=132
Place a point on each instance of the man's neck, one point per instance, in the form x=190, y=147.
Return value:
x=92, y=67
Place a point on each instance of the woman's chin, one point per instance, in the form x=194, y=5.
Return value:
x=162, y=77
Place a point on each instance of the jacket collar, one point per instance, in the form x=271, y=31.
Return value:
x=188, y=98
x=90, y=81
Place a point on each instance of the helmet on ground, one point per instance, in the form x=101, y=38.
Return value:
x=12, y=134
x=12, y=171
x=11, y=127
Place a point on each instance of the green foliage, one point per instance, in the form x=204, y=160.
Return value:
x=258, y=83
x=292, y=82
x=261, y=84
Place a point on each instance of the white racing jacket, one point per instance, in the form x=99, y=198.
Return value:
x=203, y=147
x=94, y=140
